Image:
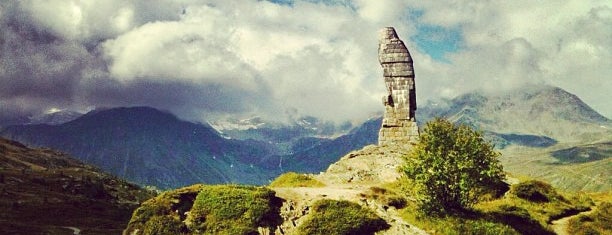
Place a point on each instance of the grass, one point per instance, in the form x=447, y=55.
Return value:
x=161, y=213
x=42, y=190
x=340, y=217
x=292, y=179
x=469, y=222
x=528, y=208
x=385, y=196
x=597, y=222
x=232, y=209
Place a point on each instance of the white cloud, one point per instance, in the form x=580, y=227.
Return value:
x=506, y=44
x=318, y=58
x=310, y=56
x=87, y=20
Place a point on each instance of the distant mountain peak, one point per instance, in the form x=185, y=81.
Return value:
x=539, y=110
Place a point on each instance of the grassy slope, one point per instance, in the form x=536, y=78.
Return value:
x=42, y=190
x=509, y=214
x=292, y=179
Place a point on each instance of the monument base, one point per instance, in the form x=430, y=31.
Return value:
x=406, y=132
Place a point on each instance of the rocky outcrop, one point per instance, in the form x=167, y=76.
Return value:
x=370, y=165
x=400, y=102
x=351, y=178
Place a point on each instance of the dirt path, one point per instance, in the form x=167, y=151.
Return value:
x=304, y=194
x=559, y=226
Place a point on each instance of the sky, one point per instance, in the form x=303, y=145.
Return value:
x=210, y=60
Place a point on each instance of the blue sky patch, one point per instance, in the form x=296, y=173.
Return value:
x=434, y=40
x=437, y=41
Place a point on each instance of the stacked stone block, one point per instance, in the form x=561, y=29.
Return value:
x=399, y=123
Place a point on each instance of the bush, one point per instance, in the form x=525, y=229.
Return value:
x=341, y=217
x=292, y=179
x=453, y=166
x=536, y=191
x=174, y=203
x=233, y=209
x=208, y=209
x=165, y=224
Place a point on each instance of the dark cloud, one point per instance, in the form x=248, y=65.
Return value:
x=192, y=101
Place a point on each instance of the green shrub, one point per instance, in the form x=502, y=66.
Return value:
x=292, y=179
x=453, y=166
x=164, y=224
x=208, y=209
x=340, y=217
x=175, y=202
x=535, y=191
x=233, y=209
x=482, y=226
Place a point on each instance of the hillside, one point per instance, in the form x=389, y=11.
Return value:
x=43, y=191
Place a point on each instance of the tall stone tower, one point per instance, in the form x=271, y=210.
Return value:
x=399, y=124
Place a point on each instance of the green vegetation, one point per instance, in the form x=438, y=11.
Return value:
x=510, y=214
x=162, y=212
x=232, y=209
x=208, y=209
x=453, y=167
x=42, y=190
x=536, y=191
x=532, y=205
x=164, y=224
x=341, y=217
x=455, y=225
x=597, y=222
x=292, y=179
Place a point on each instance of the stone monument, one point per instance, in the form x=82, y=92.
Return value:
x=399, y=124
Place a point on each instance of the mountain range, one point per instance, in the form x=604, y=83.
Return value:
x=150, y=147
x=153, y=147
